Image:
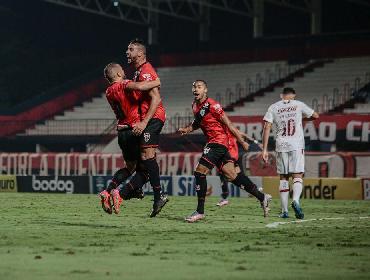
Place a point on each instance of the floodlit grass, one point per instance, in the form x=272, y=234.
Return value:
x=50, y=236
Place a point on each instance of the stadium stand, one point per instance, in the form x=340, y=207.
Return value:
x=93, y=118
x=323, y=89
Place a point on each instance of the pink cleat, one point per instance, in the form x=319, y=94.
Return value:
x=117, y=200
x=194, y=217
x=222, y=202
x=105, y=201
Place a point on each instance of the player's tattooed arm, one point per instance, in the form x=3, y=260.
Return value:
x=143, y=86
x=265, y=140
x=239, y=137
x=251, y=139
x=194, y=125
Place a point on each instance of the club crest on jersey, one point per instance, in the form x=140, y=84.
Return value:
x=217, y=107
x=147, y=77
x=201, y=112
x=206, y=150
x=146, y=136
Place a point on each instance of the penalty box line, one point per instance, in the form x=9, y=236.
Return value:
x=276, y=224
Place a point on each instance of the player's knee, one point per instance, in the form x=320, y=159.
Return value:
x=284, y=186
x=229, y=173
x=297, y=180
x=131, y=166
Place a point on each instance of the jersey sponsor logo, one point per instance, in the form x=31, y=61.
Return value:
x=217, y=107
x=206, y=150
x=146, y=136
x=288, y=109
x=147, y=77
x=52, y=185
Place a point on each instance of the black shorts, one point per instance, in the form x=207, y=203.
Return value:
x=129, y=144
x=215, y=155
x=150, y=136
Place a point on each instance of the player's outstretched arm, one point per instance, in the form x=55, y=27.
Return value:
x=265, y=140
x=251, y=139
x=239, y=137
x=143, y=86
x=189, y=128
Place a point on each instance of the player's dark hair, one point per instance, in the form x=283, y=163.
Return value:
x=200, y=80
x=139, y=42
x=288, y=90
x=108, y=71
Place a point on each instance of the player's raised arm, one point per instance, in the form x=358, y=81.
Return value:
x=265, y=139
x=143, y=86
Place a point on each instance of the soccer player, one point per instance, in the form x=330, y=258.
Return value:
x=124, y=104
x=234, y=153
x=286, y=116
x=211, y=118
x=152, y=117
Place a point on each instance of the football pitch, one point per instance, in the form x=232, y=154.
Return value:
x=57, y=236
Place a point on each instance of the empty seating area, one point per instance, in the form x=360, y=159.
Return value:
x=323, y=89
x=359, y=109
x=92, y=118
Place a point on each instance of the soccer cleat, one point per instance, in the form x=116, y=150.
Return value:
x=195, y=216
x=222, y=202
x=105, y=201
x=297, y=210
x=117, y=200
x=284, y=215
x=265, y=204
x=158, y=205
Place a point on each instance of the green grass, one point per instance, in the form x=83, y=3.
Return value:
x=50, y=236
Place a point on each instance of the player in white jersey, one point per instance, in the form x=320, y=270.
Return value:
x=286, y=115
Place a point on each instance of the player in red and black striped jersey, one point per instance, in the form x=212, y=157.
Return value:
x=122, y=95
x=152, y=118
x=211, y=118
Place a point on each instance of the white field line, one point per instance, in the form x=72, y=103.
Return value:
x=276, y=224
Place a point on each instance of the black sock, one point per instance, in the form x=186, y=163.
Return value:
x=224, y=187
x=246, y=184
x=118, y=178
x=136, y=182
x=152, y=168
x=201, y=188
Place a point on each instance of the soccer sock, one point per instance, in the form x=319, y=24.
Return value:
x=135, y=183
x=284, y=195
x=152, y=168
x=246, y=184
x=297, y=188
x=118, y=178
x=224, y=187
x=201, y=188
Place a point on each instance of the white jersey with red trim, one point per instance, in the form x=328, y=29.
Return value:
x=286, y=117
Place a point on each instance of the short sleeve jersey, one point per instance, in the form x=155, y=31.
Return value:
x=124, y=105
x=286, y=117
x=146, y=72
x=207, y=117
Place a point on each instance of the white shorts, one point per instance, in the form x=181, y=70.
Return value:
x=290, y=162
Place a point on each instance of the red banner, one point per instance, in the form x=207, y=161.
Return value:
x=66, y=164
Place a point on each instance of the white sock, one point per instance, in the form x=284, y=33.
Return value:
x=297, y=188
x=284, y=195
